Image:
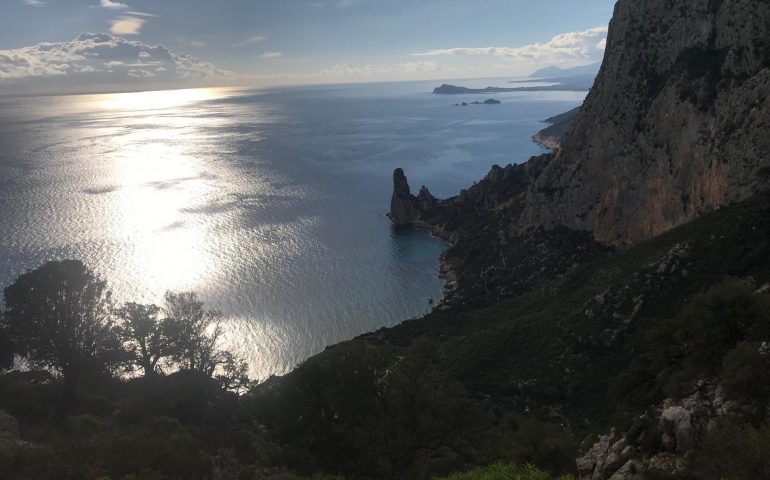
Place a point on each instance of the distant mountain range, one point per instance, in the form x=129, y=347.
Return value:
x=557, y=72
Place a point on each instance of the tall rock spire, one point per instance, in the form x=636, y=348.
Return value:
x=403, y=205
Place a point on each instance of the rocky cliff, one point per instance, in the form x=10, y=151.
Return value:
x=489, y=258
x=675, y=125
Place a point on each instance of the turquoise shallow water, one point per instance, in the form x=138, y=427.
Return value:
x=268, y=203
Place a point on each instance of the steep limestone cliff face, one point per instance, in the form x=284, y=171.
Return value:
x=675, y=126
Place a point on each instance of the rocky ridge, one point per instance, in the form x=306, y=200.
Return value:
x=673, y=128
x=675, y=125
x=489, y=259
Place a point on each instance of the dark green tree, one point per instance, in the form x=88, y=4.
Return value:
x=193, y=333
x=233, y=374
x=6, y=348
x=144, y=334
x=59, y=316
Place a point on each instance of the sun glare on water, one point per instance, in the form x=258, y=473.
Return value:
x=161, y=178
x=154, y=100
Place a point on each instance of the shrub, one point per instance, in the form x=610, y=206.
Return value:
x=746, y=373
x=734, y=451
x=540, y=443
x=505, y=471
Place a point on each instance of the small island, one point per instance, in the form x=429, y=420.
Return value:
x=489, y=101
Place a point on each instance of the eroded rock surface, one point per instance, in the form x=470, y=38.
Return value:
x=675, y=126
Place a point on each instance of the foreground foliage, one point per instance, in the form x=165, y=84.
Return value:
x=522, y=381
x=503, y=471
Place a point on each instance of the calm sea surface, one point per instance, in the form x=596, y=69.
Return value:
x=270, y=204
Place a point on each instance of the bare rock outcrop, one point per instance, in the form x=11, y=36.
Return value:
x=403, y=208
x=662, y=441
x=675, y=125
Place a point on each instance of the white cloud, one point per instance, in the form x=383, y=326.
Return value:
x=249, y=41
x=564, y=47
x=272, y=55
x=34, y=3
x=602, y=45
x=127, y=25
x=112, y=5
x=98, y=59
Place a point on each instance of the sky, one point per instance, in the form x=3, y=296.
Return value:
x=61, y=45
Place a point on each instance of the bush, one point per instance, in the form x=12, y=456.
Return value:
x=541, y=443
x=505, y=471
x=671, y=354
x=735, y=452
x=746, y=373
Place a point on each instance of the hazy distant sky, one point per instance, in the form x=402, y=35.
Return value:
x=297, y=41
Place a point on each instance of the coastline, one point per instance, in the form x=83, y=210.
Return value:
x=448, y=270
x=547, y=141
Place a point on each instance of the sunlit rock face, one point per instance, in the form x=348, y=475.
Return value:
x=675, y=126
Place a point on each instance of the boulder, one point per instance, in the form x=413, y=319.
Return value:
x=676, y=424
x=632, y=470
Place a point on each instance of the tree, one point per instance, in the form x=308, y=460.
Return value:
x=234, y=375
x=144, y=333
x=193, y=333
x=59, y=316
x=6, y=347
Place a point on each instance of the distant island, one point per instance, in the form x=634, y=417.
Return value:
x=489, y=101
x=579, y=83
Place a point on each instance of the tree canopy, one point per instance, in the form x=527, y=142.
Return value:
x=59, y=316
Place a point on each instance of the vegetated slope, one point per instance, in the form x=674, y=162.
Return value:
x=442, y=392
x=545, y=320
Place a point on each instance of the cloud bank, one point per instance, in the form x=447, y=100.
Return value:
x=571, y=46
x=99, y=59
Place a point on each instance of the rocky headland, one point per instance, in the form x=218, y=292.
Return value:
x=550, y=137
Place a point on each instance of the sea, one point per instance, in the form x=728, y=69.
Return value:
x=269, y=203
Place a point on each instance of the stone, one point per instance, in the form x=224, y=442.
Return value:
x=676, y=423
x=632, y=470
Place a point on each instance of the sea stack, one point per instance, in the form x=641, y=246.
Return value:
x=403, y=208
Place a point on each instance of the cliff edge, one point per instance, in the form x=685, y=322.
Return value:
x=674, y=127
